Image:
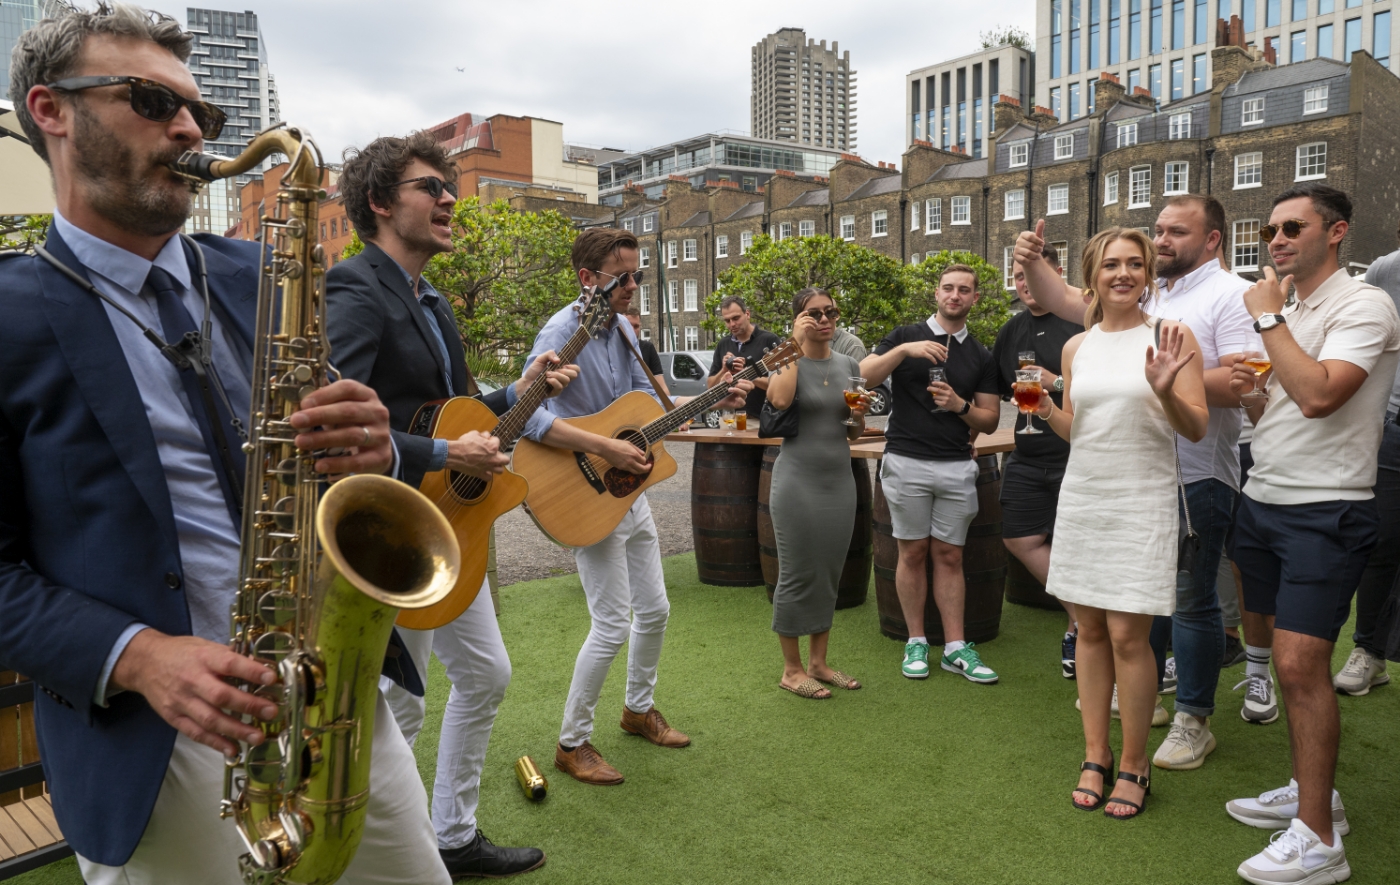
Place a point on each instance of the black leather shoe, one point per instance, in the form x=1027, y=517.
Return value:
x=480, y=859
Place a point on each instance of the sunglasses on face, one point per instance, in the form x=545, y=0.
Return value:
x=432, y=184
x=816, y=313
x=154, y=101
x=1291, y=229
x=635, y=276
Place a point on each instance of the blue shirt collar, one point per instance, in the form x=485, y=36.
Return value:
x=120, y=267
x=424, y=287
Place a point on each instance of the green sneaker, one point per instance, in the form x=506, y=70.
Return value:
x=915, y=660
x=967, y=662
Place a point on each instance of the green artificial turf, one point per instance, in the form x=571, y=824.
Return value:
x=938, y=781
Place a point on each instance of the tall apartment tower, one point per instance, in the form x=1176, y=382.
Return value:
x=950, y=104
x=1164, y=46
x=16, y=17
x=229, y=62
x=803, y=92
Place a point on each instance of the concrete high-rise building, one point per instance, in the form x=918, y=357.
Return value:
x=950, y=104
x=229, y=62
x=803, y=92
x=1164, y=46
x=16, y=17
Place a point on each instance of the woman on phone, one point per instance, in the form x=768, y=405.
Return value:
x=813, y=497
x=1115, y=552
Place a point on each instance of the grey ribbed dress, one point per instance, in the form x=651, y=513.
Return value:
x=813, y=500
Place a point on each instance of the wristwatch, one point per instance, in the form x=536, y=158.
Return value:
x=967, y=407
x=1059, y=385
x=1267, y=321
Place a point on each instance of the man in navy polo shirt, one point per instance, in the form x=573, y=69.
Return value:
x=928, y=474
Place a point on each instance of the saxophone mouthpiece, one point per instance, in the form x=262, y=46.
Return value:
x=197, y=168
x=532, y=782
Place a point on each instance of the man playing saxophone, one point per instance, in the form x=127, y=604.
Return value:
x=119, y=545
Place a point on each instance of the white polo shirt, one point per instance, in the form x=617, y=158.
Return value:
x=1300, y=460
x=1210, y=302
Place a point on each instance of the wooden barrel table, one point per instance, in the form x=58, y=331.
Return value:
x=1023, y=589
x=854, y=585
x=984, y=566
x=724, y=514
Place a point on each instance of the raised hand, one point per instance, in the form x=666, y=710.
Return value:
x=1164, y=363
x=802, y=328
x=1030, y=244
x=1267, y=295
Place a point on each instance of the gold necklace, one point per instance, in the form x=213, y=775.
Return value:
x=827, y=373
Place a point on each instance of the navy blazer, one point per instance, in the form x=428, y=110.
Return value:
x=87, y=535
x=380, y=336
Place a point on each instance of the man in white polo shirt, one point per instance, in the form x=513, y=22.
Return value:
x=1193, y=289
x=1308, y=519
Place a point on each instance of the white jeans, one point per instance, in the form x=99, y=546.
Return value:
x=186, y=843
x=478, y=668
x=621, y=576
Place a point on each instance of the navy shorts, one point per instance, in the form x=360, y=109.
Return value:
x=1302, y=562
x=1029, y=497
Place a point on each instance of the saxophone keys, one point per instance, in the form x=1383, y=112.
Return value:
x=277, y=609
x=273, y=646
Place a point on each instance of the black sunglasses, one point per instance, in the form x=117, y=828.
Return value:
x=816, y=313
x=154, y=101
x=1291, y=229
x=636, y=276
x=432, y=184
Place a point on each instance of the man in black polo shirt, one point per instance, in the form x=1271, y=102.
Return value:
x=747, y=343
x=1030, y=481
x=647, y=349
x=928, y=474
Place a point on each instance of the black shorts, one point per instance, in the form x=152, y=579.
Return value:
x=1029, y=496
x=1302, y=562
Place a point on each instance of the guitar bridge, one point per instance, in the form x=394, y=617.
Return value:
x=590, y=474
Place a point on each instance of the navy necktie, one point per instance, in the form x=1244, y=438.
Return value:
x=220, y=438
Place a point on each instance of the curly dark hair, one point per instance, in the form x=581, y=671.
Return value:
x=370, y=173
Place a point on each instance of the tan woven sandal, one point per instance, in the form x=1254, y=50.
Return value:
x=841, y=680
x=808, y=688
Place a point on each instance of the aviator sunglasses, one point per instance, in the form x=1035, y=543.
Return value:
x=1291, y=229
x=154, y=101
x=432, y=184
x=635, y=276
x=816, y=313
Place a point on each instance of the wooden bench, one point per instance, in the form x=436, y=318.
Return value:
x=29, y=834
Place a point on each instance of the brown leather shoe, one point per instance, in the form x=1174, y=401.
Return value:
x=654, y=727
x=583, y=763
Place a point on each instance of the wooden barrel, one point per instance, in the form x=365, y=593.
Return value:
x=854, y=585
x=984, y=566
x=724, y=513
x=1023, y=589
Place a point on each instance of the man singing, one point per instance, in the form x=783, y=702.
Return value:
x=391, y=330
x=119, y=540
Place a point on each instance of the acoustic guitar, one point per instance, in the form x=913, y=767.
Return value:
x=473, y=505
x=578, y=499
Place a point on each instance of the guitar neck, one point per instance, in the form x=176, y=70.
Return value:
x=512, y=423
x=701, y=404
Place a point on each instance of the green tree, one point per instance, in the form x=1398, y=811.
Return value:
x=508, y=271
x=867, y=285
x=22, y=233
x=1004, y=34
x=992, y=309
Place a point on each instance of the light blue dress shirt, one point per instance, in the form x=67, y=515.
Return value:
x=607, y=369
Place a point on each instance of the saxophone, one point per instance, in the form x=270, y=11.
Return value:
x=321, y=576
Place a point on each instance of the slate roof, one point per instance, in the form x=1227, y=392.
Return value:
x=699, y=219
x=1310, y=71
x=748, y=210
x=972, y=169
x=818, y=197
x=880, y=184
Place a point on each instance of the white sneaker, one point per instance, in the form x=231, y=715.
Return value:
x=1296, y=856
x=1187, y=745
x=1260, y=702
x=1362, y=672
x=1159, y=714
x=1274, y=809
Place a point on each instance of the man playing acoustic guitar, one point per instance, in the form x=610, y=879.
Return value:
x=621, y=574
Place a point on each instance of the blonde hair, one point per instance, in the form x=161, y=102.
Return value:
x=1092, y=261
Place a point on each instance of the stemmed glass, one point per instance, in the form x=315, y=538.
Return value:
x=1025, y=358
x=938, y=375
x=1257, y=359
x=1027, y=391
x=855, y=389
x=726, y=418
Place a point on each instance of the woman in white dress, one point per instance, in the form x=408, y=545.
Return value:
x=1116, y=528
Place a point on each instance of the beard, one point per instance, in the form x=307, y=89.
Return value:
x=136, y=193
x=1178, y=265
x=952, y=313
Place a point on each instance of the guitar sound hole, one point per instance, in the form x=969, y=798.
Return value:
x=466, y=487
x=620, y=483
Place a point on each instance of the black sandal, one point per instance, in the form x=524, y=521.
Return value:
x=1098, y=800
x=1141, y=780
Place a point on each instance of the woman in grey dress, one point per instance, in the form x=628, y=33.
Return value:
x=813, y=497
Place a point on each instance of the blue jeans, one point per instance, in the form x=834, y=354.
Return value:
x=1375, y=600
x=1196, y=629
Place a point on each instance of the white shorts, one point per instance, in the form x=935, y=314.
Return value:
x=930, y=499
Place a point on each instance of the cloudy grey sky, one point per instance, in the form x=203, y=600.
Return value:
x=621, y=74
